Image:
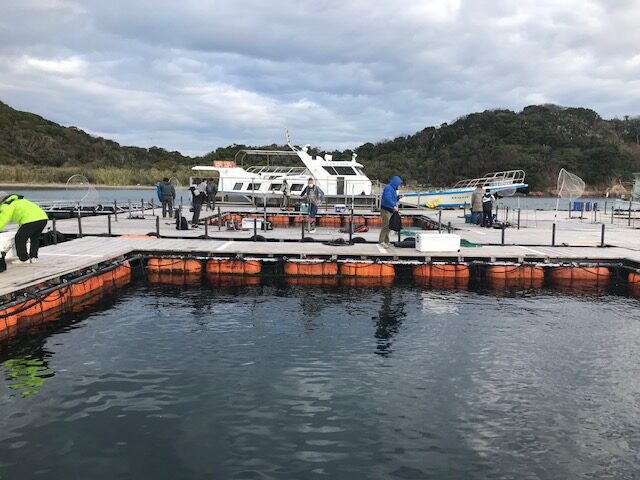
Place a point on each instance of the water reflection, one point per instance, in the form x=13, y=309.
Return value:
x=26, y=374
x=389, y=320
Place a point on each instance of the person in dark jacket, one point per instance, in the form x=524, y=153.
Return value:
x=476, y=206
x=314, y=196
x=167, y=196
x=198, y=196
x=487, y=208
x=212, y=191
x=388, y=205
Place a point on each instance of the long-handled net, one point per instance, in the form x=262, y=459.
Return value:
x=570, y=187
x=81, y=191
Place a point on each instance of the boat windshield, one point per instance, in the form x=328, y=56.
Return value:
x=287, y=171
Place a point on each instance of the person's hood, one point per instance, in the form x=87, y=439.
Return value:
x=4, y=197
x=395, y=182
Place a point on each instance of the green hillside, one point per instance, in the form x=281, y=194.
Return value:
x=539, y=140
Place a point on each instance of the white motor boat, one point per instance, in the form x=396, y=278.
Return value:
x=334, y=177
x=501, y=183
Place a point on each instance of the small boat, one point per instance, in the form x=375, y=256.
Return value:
x=334, y=177
x=502, y=183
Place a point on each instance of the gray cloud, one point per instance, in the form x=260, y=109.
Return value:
x=195, y=75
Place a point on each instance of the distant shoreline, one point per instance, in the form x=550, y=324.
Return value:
x=45, y=186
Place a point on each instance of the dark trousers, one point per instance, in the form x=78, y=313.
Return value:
x=197, y=206
x=487, y=217
x=167, y=203
x=29, y=231
x=313, y=211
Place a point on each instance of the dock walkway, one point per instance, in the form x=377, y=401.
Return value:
x=56, y=261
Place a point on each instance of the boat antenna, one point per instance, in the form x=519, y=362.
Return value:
x=288, y=137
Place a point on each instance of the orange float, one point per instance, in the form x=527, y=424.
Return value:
x=633, y=278
x=442, y=275
x=365, y=269
x=373, y=221
x=407, y=221
x=594, y=275
x=317, y=269
x=175, y=265
x=330, y=222
x=227, y=266
x=520, y=276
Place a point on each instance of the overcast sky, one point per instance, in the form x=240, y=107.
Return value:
x=194, y=75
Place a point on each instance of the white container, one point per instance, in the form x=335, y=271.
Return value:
x=437, y=242
x=247, y=223
x=341, y=207
x=6, y=242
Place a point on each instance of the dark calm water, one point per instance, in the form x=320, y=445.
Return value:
x=285, y=382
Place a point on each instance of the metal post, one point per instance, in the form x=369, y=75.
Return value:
x=109, y=224
x=582, y=211
x=351, y=227
x=506, y=217
x=219, y=219
x=206, y=228
x=265, y=211
x=302, y=224
x=79, y=224
x=629, y=222
x=142, y=206
x=448, y=227
x=55, y=231
x=553, y=235
x=612, y=214
x=439, y=221
x=158, y=226
x=518, y=219
x=115, y=210
x=602, y=236
x=255, y=229
x=503, y=229
x=153, y=207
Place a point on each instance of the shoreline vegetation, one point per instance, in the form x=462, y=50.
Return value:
x=540, y=139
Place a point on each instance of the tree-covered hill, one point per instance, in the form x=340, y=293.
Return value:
x=539, y=140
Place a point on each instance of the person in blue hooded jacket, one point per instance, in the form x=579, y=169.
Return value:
x=388, y=205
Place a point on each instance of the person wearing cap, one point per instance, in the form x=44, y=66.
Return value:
x=314, y=196
x=388, y=205
x=31, y=219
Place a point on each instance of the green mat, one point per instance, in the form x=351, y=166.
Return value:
x=467, y=244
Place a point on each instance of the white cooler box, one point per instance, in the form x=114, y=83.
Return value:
x=6, y=242
x=247, y=223
x=437, y=242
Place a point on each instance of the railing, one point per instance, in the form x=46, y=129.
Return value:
x=507, y=177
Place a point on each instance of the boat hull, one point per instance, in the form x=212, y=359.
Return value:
x=452, y=198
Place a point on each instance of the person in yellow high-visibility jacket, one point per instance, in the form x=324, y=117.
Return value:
x=32, y=220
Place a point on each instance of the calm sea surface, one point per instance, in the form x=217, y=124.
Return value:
x=278, y=381
x=135, y=194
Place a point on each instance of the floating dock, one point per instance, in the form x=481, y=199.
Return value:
x=104, y=253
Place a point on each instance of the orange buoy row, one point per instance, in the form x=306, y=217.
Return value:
x=633, y=278
x=367, y=269
x=235, y=266
x=279, y=220
x=330, y=222
x=373, y=221
x=65, y=298
x=311, y=269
